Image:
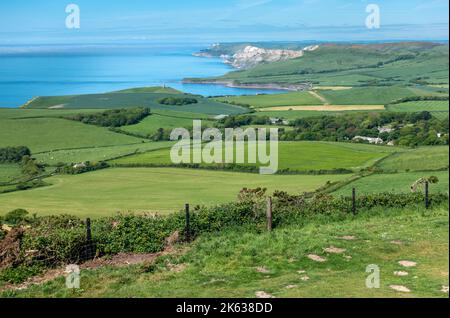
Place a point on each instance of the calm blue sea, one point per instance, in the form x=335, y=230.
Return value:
x=26, y=72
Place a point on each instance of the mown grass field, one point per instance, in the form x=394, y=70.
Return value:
x=106, y=192
x=430, y=106
x=370, y=95
x=226, y=264
x=296, y=156
x=133, y=98
x=295, y=114
x=168, y=120
x=395, y=183
x=9, y=172
x=98, y=153
x=46, y=134
x=423, y=158
x=261, y=101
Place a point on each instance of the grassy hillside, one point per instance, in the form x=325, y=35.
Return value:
x=236, y=263
x=296, y=156
x=287, y=99
x=395, y=183
x=370, y=95
x=9, y=172
x=424, y=158
x=133, y=98
x=355, y=65
x=430, y=106
x=97, y=153
x=106, y=192
x=166, y=119
x=46, y=134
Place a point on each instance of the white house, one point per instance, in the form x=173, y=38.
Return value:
x=371, y=140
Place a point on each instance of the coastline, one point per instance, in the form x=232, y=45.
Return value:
x=234, y=84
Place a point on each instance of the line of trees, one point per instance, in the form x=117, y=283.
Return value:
x=13, y=154
x=177, y=101
x=405, y=129
x=114, y=117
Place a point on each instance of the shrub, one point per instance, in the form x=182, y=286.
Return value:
x=17, y=275
x=177, y=101
x=13, y=154
x=114, y=117
x=17, y=217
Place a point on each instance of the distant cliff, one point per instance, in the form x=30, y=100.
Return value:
x=244, y=57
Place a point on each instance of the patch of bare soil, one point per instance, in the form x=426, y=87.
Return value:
x=444, y=289
x=397, y=243
x=119, y=260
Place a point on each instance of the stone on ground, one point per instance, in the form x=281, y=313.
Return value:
x=400, y=288
x=401, y=273
x=262, y=294
x=317, y=258
x=262, y=270
x=334, y=250
x=408, y=263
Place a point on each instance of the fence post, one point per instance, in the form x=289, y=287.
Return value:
x=188, y=225
x=354, y=201
x=88, y=230
x=269, y=214
x=427, y=193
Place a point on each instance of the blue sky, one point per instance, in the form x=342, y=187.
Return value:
x=118, y=21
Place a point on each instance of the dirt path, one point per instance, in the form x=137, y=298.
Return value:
x=320, y=97
x=119, y=260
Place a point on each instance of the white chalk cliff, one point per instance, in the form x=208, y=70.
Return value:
x=251, y=56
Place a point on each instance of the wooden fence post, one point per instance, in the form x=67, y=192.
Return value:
x=188, y=225
x=269, y=214
x=88, y=230
x=427, y=194
x=354, y=201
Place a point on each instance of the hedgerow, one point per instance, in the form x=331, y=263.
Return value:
x=55, y=240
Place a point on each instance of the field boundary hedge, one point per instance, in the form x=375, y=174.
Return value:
x=52, y=241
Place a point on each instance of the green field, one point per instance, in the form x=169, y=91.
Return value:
x=133, y=98
x=424, y=158
x=225, y=265
x=395, y=183
x=167, y=120
x=430, y=106
x=9, y=172
x=21, y=113
x=287, y=99
x=97, y=153
x=371, y=95
x=106, y=192
x=296, y=114
x=49, y=134
x=350, y=65
x=296, y=156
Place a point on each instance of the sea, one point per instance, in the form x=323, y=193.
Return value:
x=50, y=70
